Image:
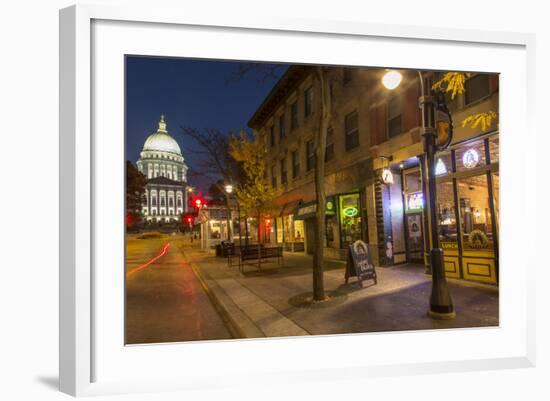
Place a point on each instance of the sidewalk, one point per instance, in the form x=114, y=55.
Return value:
x=272, y=303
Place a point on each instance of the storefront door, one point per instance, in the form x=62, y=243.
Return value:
x=415, y=238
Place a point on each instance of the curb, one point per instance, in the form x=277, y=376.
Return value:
x=238, y=324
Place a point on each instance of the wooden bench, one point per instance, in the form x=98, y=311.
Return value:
x=256, y=253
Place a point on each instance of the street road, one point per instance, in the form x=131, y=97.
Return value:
x=165, y=301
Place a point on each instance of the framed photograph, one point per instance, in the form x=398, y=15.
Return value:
x=265, y=198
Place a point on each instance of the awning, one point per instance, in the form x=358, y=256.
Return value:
x=308, y=210
x=290, y=207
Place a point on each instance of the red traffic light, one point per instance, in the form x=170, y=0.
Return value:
x=199, y=202
x=189, y=220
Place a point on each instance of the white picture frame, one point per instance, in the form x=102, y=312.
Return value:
x=85, y=330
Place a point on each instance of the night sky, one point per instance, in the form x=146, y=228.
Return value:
x=190, y=93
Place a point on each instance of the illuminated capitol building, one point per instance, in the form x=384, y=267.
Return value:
x=162, y=163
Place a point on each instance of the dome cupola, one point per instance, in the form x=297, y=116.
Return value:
x=161, y=140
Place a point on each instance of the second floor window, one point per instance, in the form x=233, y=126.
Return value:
x=329, y=150
x=294, y=115
x=352, y=131
x=310, y=155
x=394, y=116
x=282, y=132
x=272, y=136
x=476, y=88
x=308, y=101
x=273, y=177
x=348, y=75
x=283, y=171
x=295, y=164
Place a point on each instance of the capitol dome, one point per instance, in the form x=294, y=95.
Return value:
x=161, y=140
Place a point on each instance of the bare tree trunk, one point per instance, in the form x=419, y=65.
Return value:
x=246, y=230
x=325, y=109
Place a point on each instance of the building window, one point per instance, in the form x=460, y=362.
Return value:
x=348, y=75
x=308, y=101
x=295, y=164
x=476, y=88
x=352, y=131
x=282, y=132
x=310, y=155
x=273, y=177
x=329, y=150
x=294, y=115
x=283, y=171
x=394, y=116
x=272, y=136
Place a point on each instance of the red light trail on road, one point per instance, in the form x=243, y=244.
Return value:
x=143, y=266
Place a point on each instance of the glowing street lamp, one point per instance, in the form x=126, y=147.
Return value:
x=228, y=188
x=437, y=132
x=391, y=79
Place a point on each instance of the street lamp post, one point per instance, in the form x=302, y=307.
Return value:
x=228, y=191
x=441, y=305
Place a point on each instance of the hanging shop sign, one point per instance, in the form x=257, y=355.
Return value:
x=359, y=263
x=440, y=167
x=387, y=176
x=307, y=210
x=470, y=159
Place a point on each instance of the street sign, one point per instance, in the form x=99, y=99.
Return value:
x=359, y=263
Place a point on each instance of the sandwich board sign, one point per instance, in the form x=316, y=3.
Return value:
x=359, y=263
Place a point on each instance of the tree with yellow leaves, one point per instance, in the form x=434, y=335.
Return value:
x=254, y=194
x=453, y=82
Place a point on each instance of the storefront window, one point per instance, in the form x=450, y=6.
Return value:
x=298, y=230
x=253, y=228
x=493, y=149
x=470, y=156
x=288, y=228
x=475, y=213
x=413, y=182
x=331, y=228
x=215, y=229
x=279, y=230
x=496, y=197
x=447, y=215
x=350, y=219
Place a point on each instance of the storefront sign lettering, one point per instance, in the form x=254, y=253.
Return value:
x=359, y=263
x=308, y=210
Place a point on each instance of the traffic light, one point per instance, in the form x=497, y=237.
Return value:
x=199, y=202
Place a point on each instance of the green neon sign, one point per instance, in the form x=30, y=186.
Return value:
x=350, y=211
